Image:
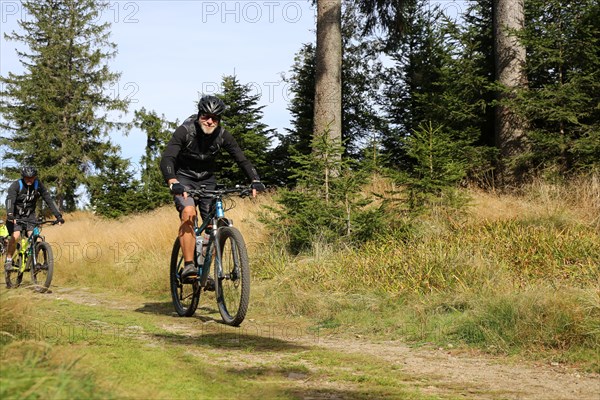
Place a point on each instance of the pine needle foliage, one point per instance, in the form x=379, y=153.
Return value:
x=324, y=208
x=56, y=111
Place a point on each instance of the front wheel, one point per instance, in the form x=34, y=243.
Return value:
x=41, y=272
x=15, y=273
x=185, y=295
x=232, y=279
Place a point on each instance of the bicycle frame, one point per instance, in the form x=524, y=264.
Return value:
x=26, y=246
x=215, y=220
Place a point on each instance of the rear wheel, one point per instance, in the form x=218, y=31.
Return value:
x=233, y=284
x=41, y=272
x=185, y=295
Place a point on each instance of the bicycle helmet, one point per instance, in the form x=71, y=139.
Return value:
x=28, y=172
x=211, y=105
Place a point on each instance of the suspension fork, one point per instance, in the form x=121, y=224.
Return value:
x=32, y=249
x=217, y=247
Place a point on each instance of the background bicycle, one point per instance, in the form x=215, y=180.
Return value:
x=225, y=250
x=3, y=238
x=32, y=254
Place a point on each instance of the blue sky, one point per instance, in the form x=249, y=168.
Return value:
x=169, y=52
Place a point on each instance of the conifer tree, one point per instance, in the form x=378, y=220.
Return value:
x=361, y=82
x=417, y=86
x=242, y=118
x=563, y=42
x=158, y=132
x=328, y=72
x=324, y=208
x=55, y=111
x=439, y=80
x=298, y=138
x=361, y=119
x=114, y=189
x=477, y=57
x=439, y=162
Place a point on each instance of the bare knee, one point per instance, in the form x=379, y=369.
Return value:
x=188, y=214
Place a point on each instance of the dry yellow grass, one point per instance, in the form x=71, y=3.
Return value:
x=579, y=200
x=133, y=252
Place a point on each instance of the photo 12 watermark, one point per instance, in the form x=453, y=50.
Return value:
x=94, y=252
x=268, y=92
x=252, y=333
x=54, y=332
x=127, y=91
x=451, y=8
x=253, y=12
x=114, y=12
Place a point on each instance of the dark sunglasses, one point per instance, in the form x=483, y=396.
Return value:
x=206, y=117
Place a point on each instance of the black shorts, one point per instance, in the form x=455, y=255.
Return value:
x=204, y=206
x=28, y=223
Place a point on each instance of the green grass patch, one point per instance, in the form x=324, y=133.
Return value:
x=134, y=353
x=27, y=373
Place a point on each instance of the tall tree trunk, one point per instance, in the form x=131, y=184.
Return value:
x=328, y=84
x=510, y=72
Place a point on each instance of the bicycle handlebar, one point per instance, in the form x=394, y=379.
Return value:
x=243, y=191
x=45, y=222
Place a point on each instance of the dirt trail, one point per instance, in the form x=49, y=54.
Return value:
x=440, y=372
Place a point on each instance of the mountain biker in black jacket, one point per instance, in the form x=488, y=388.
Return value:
x=21, y=201
x=189, y=162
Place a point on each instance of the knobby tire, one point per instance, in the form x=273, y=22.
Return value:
x=186, y=296
x=233, y=288
x=42, y=271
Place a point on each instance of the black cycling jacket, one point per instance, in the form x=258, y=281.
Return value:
x=192, y=154
x=21, y=202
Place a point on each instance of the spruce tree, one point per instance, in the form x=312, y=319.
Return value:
x=476, y=57
x=242, y=118
x=114, y=189
x=298, y=138
x=439, y=81
x=158, y=132
x=361, y=82
x=510, y=57
x=324, y=208
x=413, y=91
x=563, y=43
x=328, y=73
x=55, y=112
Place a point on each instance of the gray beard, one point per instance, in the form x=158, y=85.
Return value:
x=208, y=131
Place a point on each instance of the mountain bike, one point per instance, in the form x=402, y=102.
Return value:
x=33, y=254
x=225, y=250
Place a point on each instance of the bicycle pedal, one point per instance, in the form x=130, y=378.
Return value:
x=189, y=279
